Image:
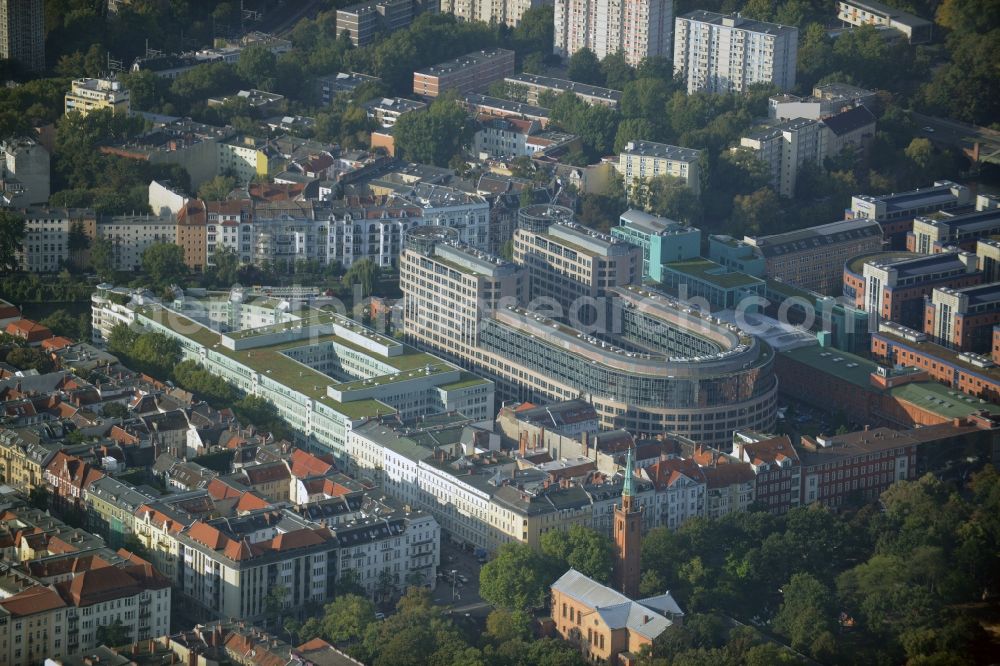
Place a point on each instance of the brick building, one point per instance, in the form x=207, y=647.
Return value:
x=776, y=463
x=466, y=73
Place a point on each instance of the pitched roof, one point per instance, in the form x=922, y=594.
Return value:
x=617, y=610
x=37, y=599
x=305, y=464
x=728, y=474
x=850, y=120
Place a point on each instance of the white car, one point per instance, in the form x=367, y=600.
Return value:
x=929, y=130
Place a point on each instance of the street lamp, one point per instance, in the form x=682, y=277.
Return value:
x=454, y=577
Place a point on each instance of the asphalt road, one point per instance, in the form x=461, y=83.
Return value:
x=958, y=134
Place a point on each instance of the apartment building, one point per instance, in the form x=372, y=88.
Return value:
x=86, y=95
x=777, y=467
x=785, y=147
x=501, y=12
x=857, y=466
x=662, y=240
x=332, y=85
x=472, y=71
x=47, y=238
x=896, y=212
x=637, y=28
x=719, y=53
x=227, y=566
x=870, y=12
x=826, y=100
x=963, y=318
x=442, y=206
x=536, y=84
x=370, y=231
x=130, y=235
x=729, y=488
x=894, y=288
x=364, y=21
x=387, y=110
x=22, y=32
x=25, y=171
x=680, y=490
x=567, y=262
x=643, y=160
x=504, y=108
x=814, y=258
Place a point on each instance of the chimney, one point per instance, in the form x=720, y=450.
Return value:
x=866, y=427
x=523, y=443
x=586, y=444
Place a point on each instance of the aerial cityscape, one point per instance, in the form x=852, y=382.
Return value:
x=510, y=333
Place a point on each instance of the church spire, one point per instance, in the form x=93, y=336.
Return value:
x=627, y=490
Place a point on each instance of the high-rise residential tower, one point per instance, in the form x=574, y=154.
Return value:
x=638, y=28
x=719, y=53
x=22, y=32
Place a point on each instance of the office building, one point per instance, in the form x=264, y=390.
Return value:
x=718, y=53
x=894, y=288
x=869, y=12
x=704, y=280
x=473, y=71
x=963, y=318
x=969, y=374
x=785, y=147
x=22, y=33
x=814, y=258
x=637, y=28
x=323, y=371
x=665, y=368
x=945, y=229
x=644, y=160
x=24, y=172
x=614, y=623
x=896, y=212
x=536, y=84
x=736, y=255
x=662, y=240
x=86, y=95
x=857, y=466
x=567, y=262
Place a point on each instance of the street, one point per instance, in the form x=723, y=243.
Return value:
x=466, y=591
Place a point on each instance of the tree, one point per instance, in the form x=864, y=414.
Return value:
x=581, y=548
x=347, y=617
x=225, y=268
x=257, y=65
x=756, y=213
x=275, y=601
x=807, y=612
x=61, y=322
x=153, y=353
x=518, y=578
x=121, y=338
x=102, y=258
x=114, y=410
x=584, y=67
x=435, y=135
x=505, y=626
x=30, y=358
x=363, y=272
x=115, y=634
x=615, y=71
x=256, y=411
x=217, y=189
x=77, y=241
x=39, y=497
x=672, y=198
x=164, y=263
x=11, y=235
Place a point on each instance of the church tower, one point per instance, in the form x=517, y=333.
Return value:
x=628, y=528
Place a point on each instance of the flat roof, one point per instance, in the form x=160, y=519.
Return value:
x=475, y=99
x=856, y=264
x=938, y=398
x=896, y=14
x=942, y=353
x=463, y=61
x=740, y=22
x=812, y=237
x=565, y=84
x=271, y=362
x=709, y=271
x=654, y=224
x=663, y=150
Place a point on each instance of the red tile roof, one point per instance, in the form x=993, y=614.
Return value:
x=28, y=330
x=33, y=600
x=305, y=464
x=56, y=343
